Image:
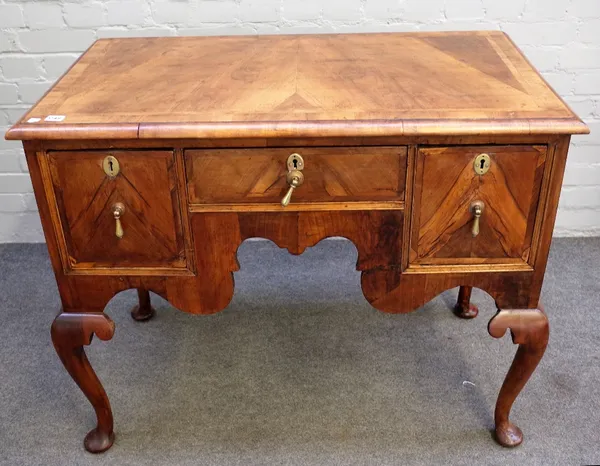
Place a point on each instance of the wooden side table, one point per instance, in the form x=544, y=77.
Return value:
x=439, y=155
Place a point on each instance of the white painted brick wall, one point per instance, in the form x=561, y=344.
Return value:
x=40, y=39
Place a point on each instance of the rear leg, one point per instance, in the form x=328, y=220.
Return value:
x=464, y=309
x=144, y=310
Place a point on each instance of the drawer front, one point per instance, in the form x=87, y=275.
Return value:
x=448, y=190
x=242, y=176
x=145, y=187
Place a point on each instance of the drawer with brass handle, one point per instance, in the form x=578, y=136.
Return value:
x=288, y=177
x=476, y=204
x=118, y=208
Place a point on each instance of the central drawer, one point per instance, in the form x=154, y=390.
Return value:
x=331, y=174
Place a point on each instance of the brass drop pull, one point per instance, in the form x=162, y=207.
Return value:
x=295, y=177
x=477, y=208
x=118, y=210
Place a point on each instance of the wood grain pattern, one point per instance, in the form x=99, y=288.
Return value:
x=391, y=290
x=330, y=175
x=511, y=285
x=448, y=185
x=280, y=142
x=147, y=187
x=300, y=206
x=301, y=86
x=548, y=209
x=376, y=235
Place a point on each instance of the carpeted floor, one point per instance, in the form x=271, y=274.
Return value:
x=299, y=369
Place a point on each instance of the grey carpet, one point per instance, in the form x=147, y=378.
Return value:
x=299, y=369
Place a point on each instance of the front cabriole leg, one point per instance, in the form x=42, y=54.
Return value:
x=529, y=329
x=70, y=333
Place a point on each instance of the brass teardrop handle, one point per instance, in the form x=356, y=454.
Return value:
x=477, y=208
x=294, y=177
x=118, y=209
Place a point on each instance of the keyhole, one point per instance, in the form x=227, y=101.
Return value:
x=482, y=164
x=110, y=165
x=295, y=163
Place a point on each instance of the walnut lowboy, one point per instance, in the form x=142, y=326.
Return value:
x=168, y=153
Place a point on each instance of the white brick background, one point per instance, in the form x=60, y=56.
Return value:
x=40, y=39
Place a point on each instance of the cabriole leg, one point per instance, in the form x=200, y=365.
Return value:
x=144, y=310
x=70, y=333
x=464, y=309
x=529, y=329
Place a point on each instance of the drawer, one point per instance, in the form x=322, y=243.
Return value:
x=145, y=187
x=448, y=189
x=340, y=174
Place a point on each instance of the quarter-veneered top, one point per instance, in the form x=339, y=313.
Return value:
x=451, y=83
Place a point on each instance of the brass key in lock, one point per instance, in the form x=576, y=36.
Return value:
x=118, y=209
x=294, y=177
x=476, y=209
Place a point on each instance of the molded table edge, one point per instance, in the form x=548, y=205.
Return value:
x=300, y=129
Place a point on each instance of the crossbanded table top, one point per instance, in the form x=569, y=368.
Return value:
x=394, y=84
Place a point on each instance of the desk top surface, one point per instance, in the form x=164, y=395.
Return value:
x=299, y=86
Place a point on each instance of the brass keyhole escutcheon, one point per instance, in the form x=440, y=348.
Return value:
x=111, y=166
x=482, y=164
x=295, y=162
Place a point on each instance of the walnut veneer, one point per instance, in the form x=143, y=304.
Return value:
x=439, y=155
